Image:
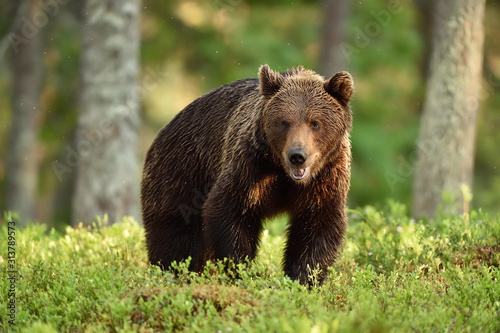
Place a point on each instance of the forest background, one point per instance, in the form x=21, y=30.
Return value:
x=191, y=47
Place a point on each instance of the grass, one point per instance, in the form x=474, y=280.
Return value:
x=394, y=275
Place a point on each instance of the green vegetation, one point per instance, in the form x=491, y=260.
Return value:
x=230, y=39
x=191, y=47
x=394, y=274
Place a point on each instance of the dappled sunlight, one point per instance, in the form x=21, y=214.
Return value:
x=391, y=269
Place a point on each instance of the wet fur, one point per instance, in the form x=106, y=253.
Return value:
x=217, y=170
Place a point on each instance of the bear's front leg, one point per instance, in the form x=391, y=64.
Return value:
x=314, y=239
x=230, y=228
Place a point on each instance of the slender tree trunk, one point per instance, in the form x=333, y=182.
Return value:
x=425, y=21
x=107, y=134
x=332, y=59
x=447, y=134
x=21, y=175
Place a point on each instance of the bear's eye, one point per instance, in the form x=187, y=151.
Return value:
x=315, y=124
x=284, y=123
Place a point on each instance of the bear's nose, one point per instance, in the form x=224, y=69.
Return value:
x=297, y=156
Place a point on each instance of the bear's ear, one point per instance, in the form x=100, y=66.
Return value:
x=270, y=81
x=340, y=86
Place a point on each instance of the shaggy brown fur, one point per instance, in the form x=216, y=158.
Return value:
x=244, y=152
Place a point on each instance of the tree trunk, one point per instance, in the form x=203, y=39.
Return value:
x=447, y=134
x=424, y=21
x=107, y=135
x=332, y=59
x=21, y=174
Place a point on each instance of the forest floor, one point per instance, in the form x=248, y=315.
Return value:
x=394, y=274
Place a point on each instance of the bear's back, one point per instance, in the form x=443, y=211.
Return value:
x=208, y=115
x=194, y=139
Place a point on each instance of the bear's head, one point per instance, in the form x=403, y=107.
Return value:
x=305, y=118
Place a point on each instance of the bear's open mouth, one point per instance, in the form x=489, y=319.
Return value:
x=299, y=174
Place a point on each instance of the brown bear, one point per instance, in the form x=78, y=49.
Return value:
x=242, y=153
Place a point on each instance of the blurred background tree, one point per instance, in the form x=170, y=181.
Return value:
x=105, y=153
x=192, y=46
x=332, y=57
x=448, y=127
x=22, y=162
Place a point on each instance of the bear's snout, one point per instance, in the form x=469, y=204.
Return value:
x=297, y=156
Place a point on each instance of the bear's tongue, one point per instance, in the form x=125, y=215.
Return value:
x=299, y=174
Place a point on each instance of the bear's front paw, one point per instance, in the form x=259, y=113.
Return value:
x=306, y=275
